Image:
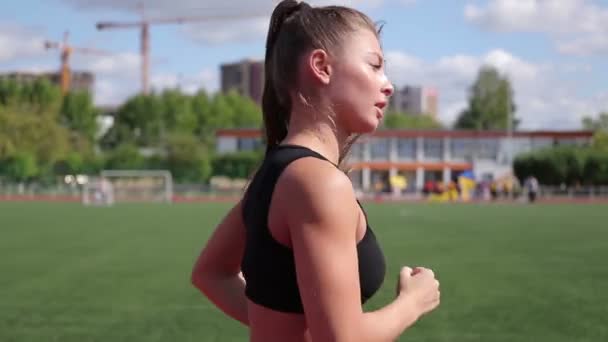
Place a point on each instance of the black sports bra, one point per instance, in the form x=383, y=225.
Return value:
x=268, y=266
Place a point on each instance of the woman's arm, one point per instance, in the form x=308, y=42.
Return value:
x=217, y=270
x=323, y=216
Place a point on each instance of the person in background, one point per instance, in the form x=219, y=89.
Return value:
x=532, y=187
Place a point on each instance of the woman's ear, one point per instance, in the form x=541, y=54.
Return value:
x=319, y=66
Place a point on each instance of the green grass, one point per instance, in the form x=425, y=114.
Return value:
x=507, y=272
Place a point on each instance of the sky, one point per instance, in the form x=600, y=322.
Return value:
x=554, y=52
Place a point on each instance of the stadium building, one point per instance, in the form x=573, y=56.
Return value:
x=426, y=155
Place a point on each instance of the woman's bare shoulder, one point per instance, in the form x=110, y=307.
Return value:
x=316, y=188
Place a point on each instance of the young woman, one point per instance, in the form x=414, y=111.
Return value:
x=296, y=258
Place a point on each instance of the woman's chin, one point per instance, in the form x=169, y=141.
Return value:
x=367, y=126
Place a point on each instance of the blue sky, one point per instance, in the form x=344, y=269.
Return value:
x=554, y=51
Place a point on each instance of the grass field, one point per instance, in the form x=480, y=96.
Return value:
x=508, y=272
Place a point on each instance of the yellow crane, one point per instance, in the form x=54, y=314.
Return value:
x=66, y=51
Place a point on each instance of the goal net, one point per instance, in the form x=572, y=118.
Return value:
x=97, y=192
x=129, y=186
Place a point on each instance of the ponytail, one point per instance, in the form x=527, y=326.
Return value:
x=276, y=104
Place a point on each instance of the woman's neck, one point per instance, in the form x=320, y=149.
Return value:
x=316, y=131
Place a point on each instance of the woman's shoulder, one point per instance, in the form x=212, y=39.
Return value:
x=315, y=174
x=315, y=185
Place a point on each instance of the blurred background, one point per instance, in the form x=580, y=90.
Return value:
x=128, y=128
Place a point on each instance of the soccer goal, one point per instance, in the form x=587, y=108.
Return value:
x=114, y=186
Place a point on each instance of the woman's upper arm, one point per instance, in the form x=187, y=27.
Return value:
x=322, y=227
x=224, y=249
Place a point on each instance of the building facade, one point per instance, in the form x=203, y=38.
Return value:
x=426, y=155
x=246, y=77
x=79, y=80
x=415, y=101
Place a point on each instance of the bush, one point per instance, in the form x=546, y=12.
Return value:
x=20, y=167
x=564, y=165
x=236, y=165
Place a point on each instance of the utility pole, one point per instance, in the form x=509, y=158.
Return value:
x=509, y=128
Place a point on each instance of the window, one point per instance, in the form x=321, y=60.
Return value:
x=433, y=148
x=487, y=149
x=380, y=149
x=570, y=142
x=406, y=148
x=248, y=144
x=462, y=148
x=379, y=181
x=541, y=142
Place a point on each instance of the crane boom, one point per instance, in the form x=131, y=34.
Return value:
x=176, y=20
x=66, y=51
x=144, y=26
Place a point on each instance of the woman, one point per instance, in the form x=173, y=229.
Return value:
x=295, y=259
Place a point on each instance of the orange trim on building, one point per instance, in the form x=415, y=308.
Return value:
x=406, y=133
x=411, y=166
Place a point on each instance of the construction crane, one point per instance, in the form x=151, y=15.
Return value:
x=66, y=51
x=144, y=26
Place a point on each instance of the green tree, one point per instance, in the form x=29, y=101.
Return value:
x=139, y=121
x=79, y=114
x=402, y=120
x=187, y=159
x=595, y=168
x=148, y=120
x=247, y=114
x=598, y=124
x=564, y=165
x=20, y=167
x=125, y=157
x=201, y=109
x=237, y=165
x=40, y=97
x=600, y=128
x=600, y=140
x=178, y=113
x=24, y=130
x=490, y=103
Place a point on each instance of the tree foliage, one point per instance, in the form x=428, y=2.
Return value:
x=490, y=103
x=600, y=128
x=396, y=120
x=564, y=165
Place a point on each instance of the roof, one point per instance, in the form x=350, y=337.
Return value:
x=439, y=133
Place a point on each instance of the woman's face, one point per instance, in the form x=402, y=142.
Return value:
x=358, y=88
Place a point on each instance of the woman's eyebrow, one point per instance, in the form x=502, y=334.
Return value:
x=378, y=55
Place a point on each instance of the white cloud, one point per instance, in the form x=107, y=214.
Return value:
x=578, y=27
x=126, y=64
x=163, y=7
x=543, y=97
x=596, y=44
x=114, y=90
x=248, y=20
x=17, y=42
x=207, y=79
x=108, y=92
x=244, y=30
x=118, y=76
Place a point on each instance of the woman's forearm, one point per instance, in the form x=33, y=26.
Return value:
x=389, y=322
x=226, y=292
